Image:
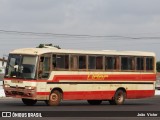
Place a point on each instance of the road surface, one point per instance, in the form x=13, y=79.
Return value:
x=81, y=109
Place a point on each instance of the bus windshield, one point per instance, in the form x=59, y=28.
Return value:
x=21, y=66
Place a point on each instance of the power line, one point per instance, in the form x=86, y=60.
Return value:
x=74, y=35
x=52, y=34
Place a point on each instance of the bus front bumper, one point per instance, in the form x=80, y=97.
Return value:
x=20, y=92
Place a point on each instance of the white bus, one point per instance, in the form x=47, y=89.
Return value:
x=52, y=75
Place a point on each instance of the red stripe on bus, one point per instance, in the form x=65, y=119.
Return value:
x=115, y=77
x=132, y=94
x=103, y=95
x=124, y=77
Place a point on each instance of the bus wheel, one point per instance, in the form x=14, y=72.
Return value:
x=54, y=98
x=119, y=98
x=94, y=102
x=29, y=102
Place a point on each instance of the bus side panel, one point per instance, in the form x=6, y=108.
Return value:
x=77, y=86
x=106, y=95
x=85, y=95
x=98, y=95
x=135, y=94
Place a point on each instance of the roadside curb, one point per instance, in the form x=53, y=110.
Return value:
x=157, y=92
x=2, y=93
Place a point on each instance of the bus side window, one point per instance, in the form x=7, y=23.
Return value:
x=127, y=63
x=139, y=63
x=110, y=63
x=53, y=61
x=44, y=66
x=91, y=62
x=62, y=61
x=149, y=63
x=66, y=61
x=74, y=62
x=99, y=62
x=82, y=62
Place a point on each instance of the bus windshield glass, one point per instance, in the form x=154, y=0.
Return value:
x=21, y=66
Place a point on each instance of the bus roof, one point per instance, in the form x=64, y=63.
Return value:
x=39, y=51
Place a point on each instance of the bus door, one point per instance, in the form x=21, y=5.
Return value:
x=44, y=71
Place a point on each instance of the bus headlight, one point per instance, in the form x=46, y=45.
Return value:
x=29, y=87
x=6, y=85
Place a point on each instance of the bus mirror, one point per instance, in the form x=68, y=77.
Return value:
x=16, y=68
x=3, y=61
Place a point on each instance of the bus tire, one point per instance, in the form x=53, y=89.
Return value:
x=55, y=98
x=29, y=102
x=94, y=102
x=47, y=102
x=118, y=98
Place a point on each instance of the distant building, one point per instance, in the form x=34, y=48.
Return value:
x=2, y=65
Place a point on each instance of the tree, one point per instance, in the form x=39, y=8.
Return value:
x=43, y=46
x=158, y=66
x=57, y=46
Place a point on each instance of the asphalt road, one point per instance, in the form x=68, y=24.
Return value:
x=133, y=107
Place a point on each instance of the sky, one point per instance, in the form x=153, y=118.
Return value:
x=127, y=25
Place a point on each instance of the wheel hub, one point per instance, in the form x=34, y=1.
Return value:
x=54, y=97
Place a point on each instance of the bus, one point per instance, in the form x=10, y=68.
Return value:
x=52, y=75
